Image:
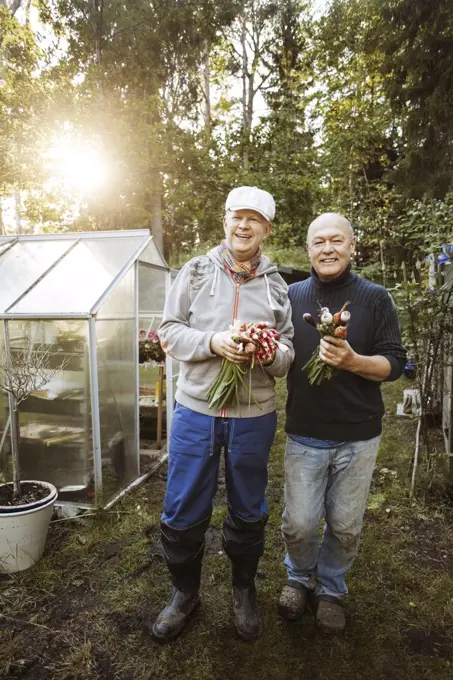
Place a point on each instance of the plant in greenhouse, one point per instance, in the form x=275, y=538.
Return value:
x=23, y=371
x=149, y=347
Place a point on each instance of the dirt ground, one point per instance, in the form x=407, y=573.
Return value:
x=84, y=611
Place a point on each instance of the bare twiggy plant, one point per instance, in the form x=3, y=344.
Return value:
x=23, y=371
x=28, y=369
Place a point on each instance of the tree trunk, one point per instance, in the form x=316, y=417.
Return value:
x=171, y=248
x=15, y=438
x=2, y=224
x=98, y=6
x=245, y=132
x=13, y=7
x=155, y=207
x=14, y=419
x=17, y=211
x=383, y=267
x=206, y=107
x=250, y=97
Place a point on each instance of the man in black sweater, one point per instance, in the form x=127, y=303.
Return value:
x=333, y=429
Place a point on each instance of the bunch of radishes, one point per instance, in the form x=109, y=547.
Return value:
x=257, y=339
x=335, y=325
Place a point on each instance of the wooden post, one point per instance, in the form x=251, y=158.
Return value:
x=160, y=407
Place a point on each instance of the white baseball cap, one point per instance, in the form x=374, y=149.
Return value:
x=251, y=198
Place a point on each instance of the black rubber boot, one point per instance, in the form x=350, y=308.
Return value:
x=247, y=620
x=173, y=618
x=183, y=549
x=243, y=542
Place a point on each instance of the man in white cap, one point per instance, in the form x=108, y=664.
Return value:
x=232, y=281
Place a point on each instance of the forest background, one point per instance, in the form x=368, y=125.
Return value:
x=121, y=115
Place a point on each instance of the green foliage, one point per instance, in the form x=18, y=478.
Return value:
x=355, y=118
x=291, y=257
x=23, y=102
x=415, y=39
x=424, y=296
x=348, y=112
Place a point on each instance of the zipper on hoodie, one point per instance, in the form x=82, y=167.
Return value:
x=236, y=302
x=235, y=311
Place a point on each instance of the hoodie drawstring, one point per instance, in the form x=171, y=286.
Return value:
x=214, y=283
x=268, y=288
x=269, y=296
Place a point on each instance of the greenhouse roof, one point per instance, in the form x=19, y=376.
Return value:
x=68, y=275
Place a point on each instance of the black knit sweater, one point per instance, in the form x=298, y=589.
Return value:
x=347, y=407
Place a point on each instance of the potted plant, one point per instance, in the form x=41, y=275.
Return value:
x=149, y=347
x=26, y=506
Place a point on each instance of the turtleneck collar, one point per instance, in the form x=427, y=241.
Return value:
x=343, y=280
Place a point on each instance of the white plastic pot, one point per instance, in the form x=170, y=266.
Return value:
x=23, y=533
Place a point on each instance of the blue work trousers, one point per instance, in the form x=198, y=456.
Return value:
x=196, y=443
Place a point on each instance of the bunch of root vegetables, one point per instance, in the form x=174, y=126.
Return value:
x=259, y=342
x=334, y=325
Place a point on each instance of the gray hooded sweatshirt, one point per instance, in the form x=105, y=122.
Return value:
x=204, y=300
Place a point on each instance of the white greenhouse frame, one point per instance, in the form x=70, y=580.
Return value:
x=135, y=249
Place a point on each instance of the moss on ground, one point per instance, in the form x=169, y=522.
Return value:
x=85, y=609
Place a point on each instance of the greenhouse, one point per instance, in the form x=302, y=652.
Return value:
x=80, y=300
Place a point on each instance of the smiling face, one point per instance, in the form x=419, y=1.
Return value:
x=245, y=230
x=330, y=245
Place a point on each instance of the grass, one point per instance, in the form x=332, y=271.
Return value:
x=84, y=610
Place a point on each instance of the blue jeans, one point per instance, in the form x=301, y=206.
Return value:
x=330, y=484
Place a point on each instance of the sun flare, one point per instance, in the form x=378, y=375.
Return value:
x=80, y=167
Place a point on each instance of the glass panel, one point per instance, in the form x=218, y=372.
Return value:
x=113, y=253
x=23, y=264
x=153, y=412
x=152, y=255
x=120, y=302
x=116, y=352
x=153, y=430
x=151, y=304
x=151, y=290
x=77, y=282
x=55, y=420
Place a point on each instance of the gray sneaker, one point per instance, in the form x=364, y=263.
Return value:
x=173, y=618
